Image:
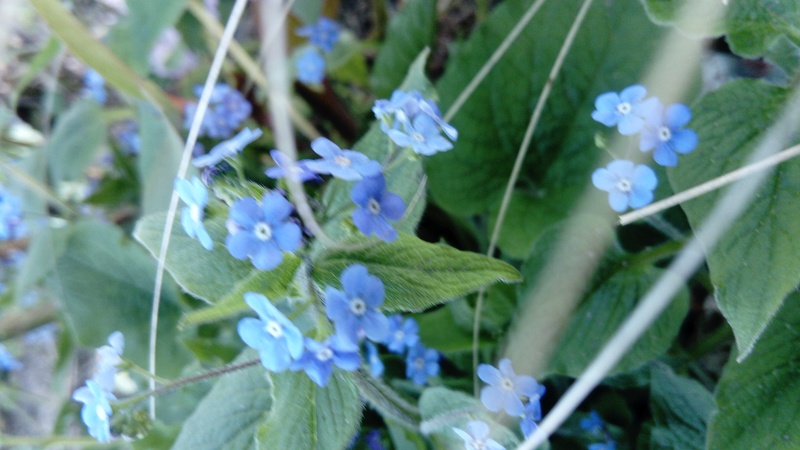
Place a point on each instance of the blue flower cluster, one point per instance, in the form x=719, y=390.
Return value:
x=97, y=394
x=94, y=86
x=661, y=130
x=310, y=62
x=413, y=121
x=595, y=425
x=227, y=109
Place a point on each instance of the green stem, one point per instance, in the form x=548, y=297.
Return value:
x=45, y=441
x=39, y=188
x=656, y=253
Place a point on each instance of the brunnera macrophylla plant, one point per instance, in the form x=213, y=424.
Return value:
x=364, y=314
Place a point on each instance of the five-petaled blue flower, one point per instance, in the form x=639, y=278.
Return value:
x=262, y=232
x=402, y=108
x=355, y=310
x=324, y=34
x=422, y=135
x=376, y=207
x=421, y=363
x=345, y=164
x=476, y=437
x=665, y=133
x=403, y=334
x=195, y=195
x=374, y=360
x=96, y=410
x=297, y=172
x=532, y=413
x=319, y=357
x=227, y=149
x=310, y=66
x=505, y=388
x=593, y=424
x=628, y=110
x=275, y=337
x=108, y=357
x=627, y=184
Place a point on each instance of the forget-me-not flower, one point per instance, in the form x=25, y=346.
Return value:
x=227, y=149
x=608, y=445
x=108, y=357
x=227, y=109
x=262, y=232
x=310, y=66
x=277, y=340
x=403, y=334
x=421, y=363
x=476, y=437
x=94, y=86
x=374, y=360
x=356, y=309
x=345, y=164
x=593, y=424
x=532, y=413
x=195, y=195
x=324, y=34
x=665, y=133
x=506, y=388
x=627, y=184
x=628, y=110
x=319, y=357
x=298, y=172
x=96, y=410
x=399, y=111
x=422, y=135
x=376, y=207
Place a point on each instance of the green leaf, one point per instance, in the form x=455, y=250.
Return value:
x=102, y=271
x=78, y=137
x=213, y=275
x=681, y=409
x=751, y=25
x=757, y=399
x=410, y=31
x=405, y=439
x=133, y=37
x=159, y=158
x=612, y=50
x=231, y=412
x=603, y=311
x=755, y=264
x=306, y=416
x=386, y=401
x=416, y=274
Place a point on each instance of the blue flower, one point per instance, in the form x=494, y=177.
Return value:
x=373, y=440
x=96, y=410
x=7, y=360
x=310, y=66
x=374, y=360
x=422, y=135
x=421, y=363
x=356, y=309
x=324, y=34
x=227, y=109
x=275, y=337
x=108, y=358
x=627, y=110
x=403, y=107
x=402, y=334
x=195, y=195
x=593, y=424
x=532, y=413
x=94, y=86
x=505, y=388
x=477, y=436
x=376, y=207
x=227, y=149
x=262, y=232
x=627, y=184
x=345, y=164
x=298, y=172
x=665, y=133
x=608, y=445
x=12, y=226
x=319, y=358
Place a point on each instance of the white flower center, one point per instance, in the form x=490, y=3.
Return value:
x=624, y=108
x=419, y=363
x=399, y=335
x=358, y=306
x=478, y=444
x=342, y=161
x=195, y=213
x=624, y=185
x=274, y=329
x=664, y=134
x=417, y=136
x=262, y=231
x=373, y=207
x=507, y=384
x=325, y=354
x=101, y=414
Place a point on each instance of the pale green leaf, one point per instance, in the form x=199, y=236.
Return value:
x=158, y=160
x=681, y=409
x=77, y=139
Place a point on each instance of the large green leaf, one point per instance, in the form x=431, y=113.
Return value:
x=681, y=409
x=755, y=263
x=410, y=31
x=415, y=273
x=159, y=158
x=610, y=52
x=306, y=416
x=751, y=25
x=757, y=399
x=231, y=412
x=106, y=284
x=77, y=139
x=133, y=37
